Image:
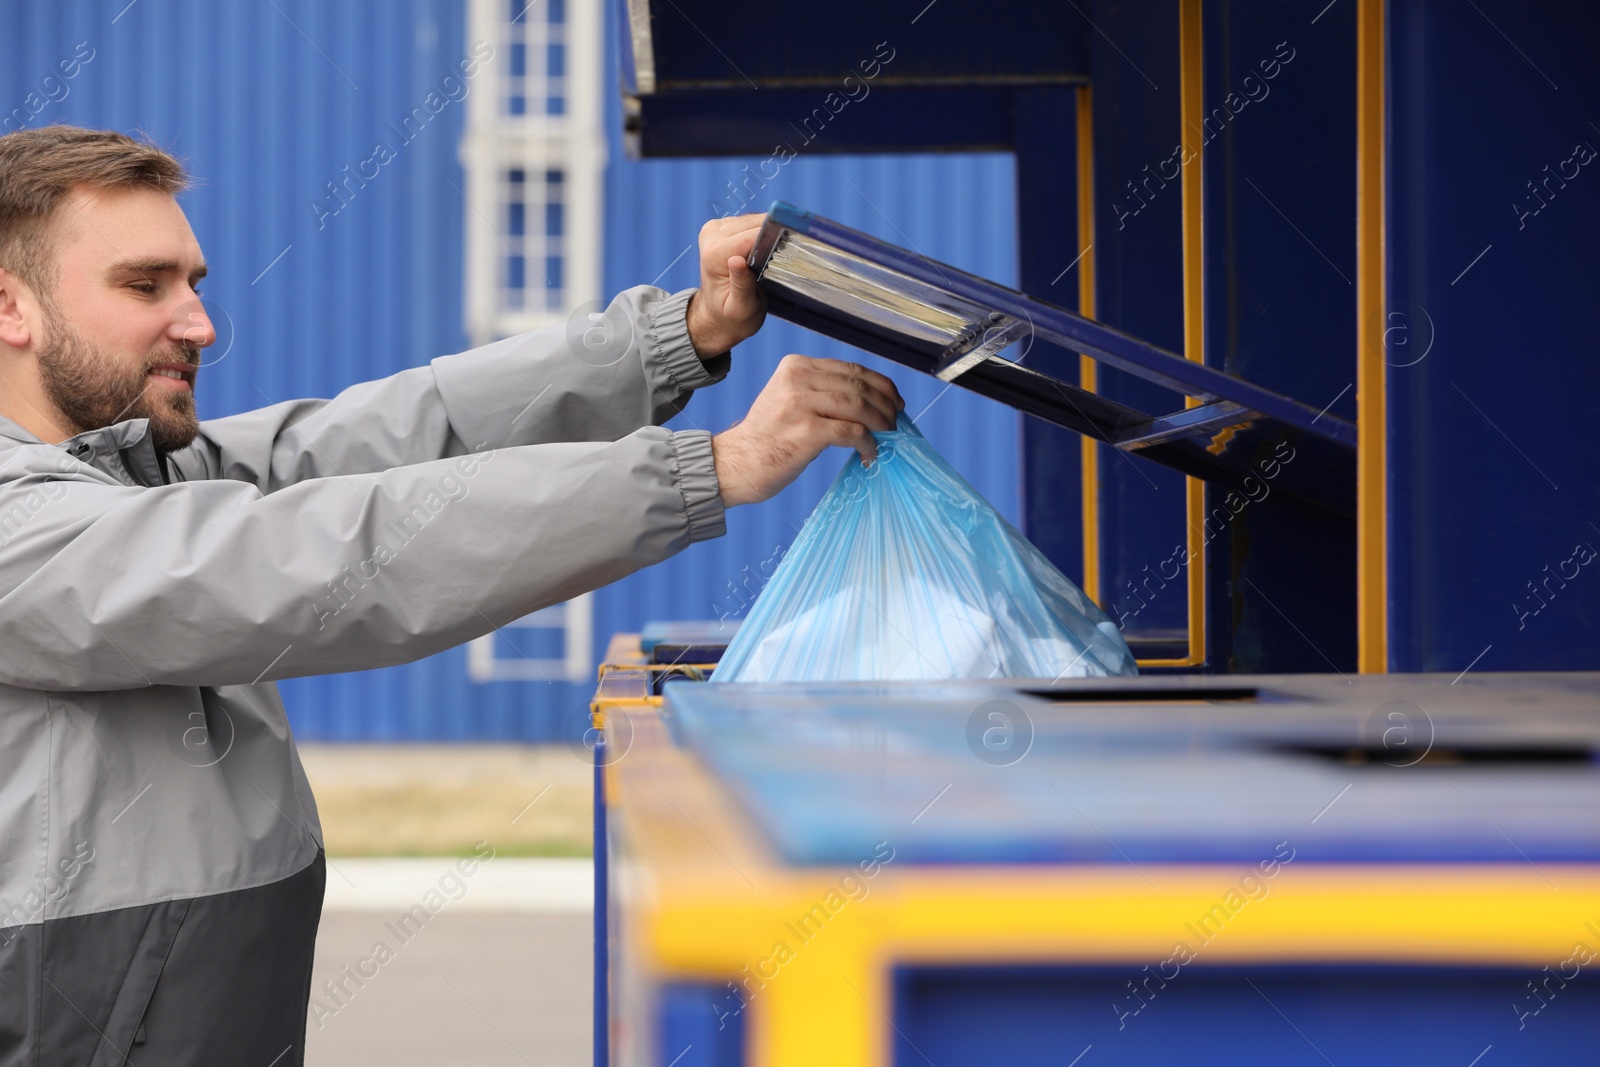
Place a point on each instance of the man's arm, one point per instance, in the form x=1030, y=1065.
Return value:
x=598, y=377
x=214, y=582
x=588, y=381
x=105, y=585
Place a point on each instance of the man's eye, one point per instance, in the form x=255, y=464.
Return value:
x=144, y=287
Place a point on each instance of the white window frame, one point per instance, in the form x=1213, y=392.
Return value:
x=575, y=619
x=496, y=142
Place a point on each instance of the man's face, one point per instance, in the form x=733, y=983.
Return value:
x=123, y=327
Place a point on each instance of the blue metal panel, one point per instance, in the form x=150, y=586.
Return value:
x=701, y=1026
x=814, y=44
x=1138, y=289
x=917, y=120
x=1494, y=202
x=269, y=103
x=1280, y=311
x=1377, y=1015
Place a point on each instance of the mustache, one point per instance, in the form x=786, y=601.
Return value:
x=189, y=357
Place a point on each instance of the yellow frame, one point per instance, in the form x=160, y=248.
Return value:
x=1191, y=58
x=1088, y=369
x=1191, y=192
x=1372, y=406
x=1191, y=108
x=1371, y=287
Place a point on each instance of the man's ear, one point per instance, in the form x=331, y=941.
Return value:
x=14, y=328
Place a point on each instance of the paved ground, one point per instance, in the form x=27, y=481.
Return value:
x=495, y=968
x=468, y=988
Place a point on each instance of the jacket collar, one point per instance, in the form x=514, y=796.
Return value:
x=121, y=448
x=11, y=430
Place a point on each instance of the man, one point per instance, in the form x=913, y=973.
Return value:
x=161, y=869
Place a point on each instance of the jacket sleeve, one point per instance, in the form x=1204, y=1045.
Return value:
x=209, y=583
x=595, y=378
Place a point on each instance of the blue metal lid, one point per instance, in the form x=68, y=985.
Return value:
x=977, y=334
x=1495, y=769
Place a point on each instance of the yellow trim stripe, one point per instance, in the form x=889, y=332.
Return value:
x=1192, y=106
x=1372, y=490
x=840, y=969
x=1088, y=375
x=1186, y=661
x=1459, y=913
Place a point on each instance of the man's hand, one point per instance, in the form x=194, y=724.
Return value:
x=808, y=405
x=729, y=307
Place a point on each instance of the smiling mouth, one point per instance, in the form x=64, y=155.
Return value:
x=178, y=378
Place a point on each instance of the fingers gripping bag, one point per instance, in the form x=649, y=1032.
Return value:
x=904, y=573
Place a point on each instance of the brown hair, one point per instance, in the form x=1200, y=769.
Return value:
x=39, y=168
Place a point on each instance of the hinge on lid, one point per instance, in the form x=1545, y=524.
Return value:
x=978, y=344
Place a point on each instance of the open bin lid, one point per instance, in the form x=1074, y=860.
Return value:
x=962, y=329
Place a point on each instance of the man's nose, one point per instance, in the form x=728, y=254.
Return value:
x=191, y=326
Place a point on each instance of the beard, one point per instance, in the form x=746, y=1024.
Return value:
x=95, y=390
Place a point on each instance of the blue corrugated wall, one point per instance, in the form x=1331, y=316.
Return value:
x=269, y=102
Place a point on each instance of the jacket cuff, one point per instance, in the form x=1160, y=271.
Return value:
x=696, y=472
x=668, y=331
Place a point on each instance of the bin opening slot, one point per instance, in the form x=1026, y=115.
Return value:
x=1214, y=694
x=1530, y=753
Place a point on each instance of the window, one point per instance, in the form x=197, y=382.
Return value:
x=519, y=654
x=534, y=155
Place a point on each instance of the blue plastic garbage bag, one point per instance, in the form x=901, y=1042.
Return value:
x=903, y=572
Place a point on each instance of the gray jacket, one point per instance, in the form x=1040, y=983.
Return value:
x=147, y=604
